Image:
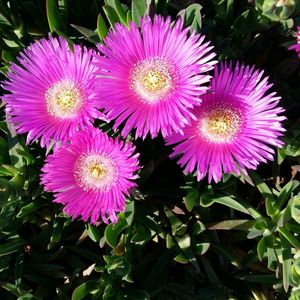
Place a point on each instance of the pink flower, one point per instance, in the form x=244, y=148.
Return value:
x=296, y=47
x=91, y=176
x=236, y=123
x=51, y=91
x=150, y=79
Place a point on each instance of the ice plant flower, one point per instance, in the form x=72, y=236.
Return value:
x=236, y=123
x=296, y=46
x=51, y=91
x=150, y=79
x=91, y=175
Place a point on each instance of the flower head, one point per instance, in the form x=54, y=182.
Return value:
x=236, y=123
x=296, y=47
x=51, y=91
x=150, y=79
x=91, y=175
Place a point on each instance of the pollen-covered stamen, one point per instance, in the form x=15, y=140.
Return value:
x=95, y=172
x=152, y=79
x=63, y=99
x=220, y=124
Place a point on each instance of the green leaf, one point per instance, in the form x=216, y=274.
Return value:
x=191, y=198
x=224, y=8
x=63, y=9
x=295, y=208
x=181, y=259
x=57, y=227
x=5, y=20
x=191, y=16
x=230, y=6
x=118, y=267
x=201, y=248
x=16, y=184
x=4, y=157
x=245, y=23
x=292, y=144
x=254, y=233
x=10, y=246
x=113, y=231
x=280, y=10
x=111, y=15
x=170, y=242
x=290, y=237
x=93, y=232
x=129, y=212
x=286, y=261
x=89, y=34
x=4, y=191
x=231, y=225
x=101, y=27
x=8, y=170
x=261, y=248
x=178, y=228
x=198, y=227
x=31, y=207
x=17, y=291
x=4, y=263
x=293, y=228
x=266, y=193
x=271, y=253
x=184, y=242
x=295, y=295
x=224, y=200
x=285, y=193
x=19, y=268
x=120, y=11
x=7, y=212
x=84, y=289
x=128, y=16
x=138, y=9
x=148, y=222
x=296, y=266
x=9, y=55
x=54, y=18
x=142, y=234
x=28, y=156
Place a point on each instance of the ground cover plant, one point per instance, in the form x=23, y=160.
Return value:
x=149, y=149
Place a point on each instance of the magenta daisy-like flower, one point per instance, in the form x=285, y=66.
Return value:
x=91, y=175
x=150, y=79
x=296, y=46
x=51, y=91
x=236, y=123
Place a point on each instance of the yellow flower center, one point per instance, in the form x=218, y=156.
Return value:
x=220, y=124
x=95, y=172
x=63, y=99
x=152, y=79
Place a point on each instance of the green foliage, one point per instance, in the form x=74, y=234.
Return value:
x=177, y=239
x=191, y=16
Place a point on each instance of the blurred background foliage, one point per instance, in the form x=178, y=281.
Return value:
x=178, y=239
